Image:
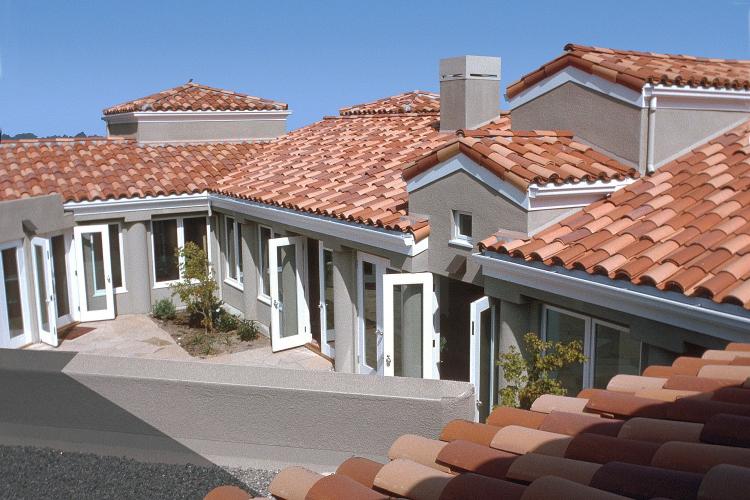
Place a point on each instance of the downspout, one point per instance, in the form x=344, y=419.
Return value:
x=651, y=131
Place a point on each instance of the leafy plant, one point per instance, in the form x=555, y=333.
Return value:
x=226, y=322
x=529, y=377
x=197, y=288
x=248, y=330
x=164, y=309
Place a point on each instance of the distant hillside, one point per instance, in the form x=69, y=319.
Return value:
x=31, y=135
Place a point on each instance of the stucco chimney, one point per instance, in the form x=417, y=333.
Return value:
x=469, y=91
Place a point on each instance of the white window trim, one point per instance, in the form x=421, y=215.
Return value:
x=180, y=243
x=237, y=244
x=98, y=292
x=457, y=238
x=589, y=339
x=265, y=298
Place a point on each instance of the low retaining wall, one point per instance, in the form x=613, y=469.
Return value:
x=174, y=411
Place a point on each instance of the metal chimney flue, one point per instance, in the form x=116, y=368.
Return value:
x=469, y=91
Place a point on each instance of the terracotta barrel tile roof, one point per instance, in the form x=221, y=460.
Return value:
x=196, y=97
x=522, y=158
x=634, y=69
x=685, y=228
x=417, y=102
x=100, y=169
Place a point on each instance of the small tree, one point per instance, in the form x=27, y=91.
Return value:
x=530, y=377
x=197, y=289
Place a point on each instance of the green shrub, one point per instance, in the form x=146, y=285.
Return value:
x=226, y=322
x=530, y=377
x=248, y=330
x=164, y=309
x=198, y=288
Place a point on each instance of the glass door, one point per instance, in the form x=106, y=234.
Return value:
x=409, y=333
x=94, y=271
x=370, y=271
x=290, y=317
x=14, y=315
x=482, y=356
x=325, y=271
x=46, y=312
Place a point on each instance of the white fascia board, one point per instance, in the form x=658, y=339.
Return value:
x=123, y=205
x=576, y=195
x=195, y=116
x=394, y=241
x=724, y=321
x=672, y=97
x=537, y=198
x=575, y=75
x=466, y=164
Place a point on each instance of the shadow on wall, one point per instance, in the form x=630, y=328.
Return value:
x=42, y=406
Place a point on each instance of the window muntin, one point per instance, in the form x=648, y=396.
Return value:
x=264, y=278
x=610, y=348
x=170, y=234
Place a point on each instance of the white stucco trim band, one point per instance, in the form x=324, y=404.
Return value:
x=394, y=241
x=195, y=116
x=199, y=201
x=701, y=315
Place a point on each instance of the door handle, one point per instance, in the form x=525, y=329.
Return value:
x=379, y=332
x=388, y=360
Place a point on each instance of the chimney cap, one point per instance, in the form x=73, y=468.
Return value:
x=470, y=68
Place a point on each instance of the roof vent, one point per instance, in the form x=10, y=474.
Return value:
x=469, y=91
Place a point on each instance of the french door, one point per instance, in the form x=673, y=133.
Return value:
x=46, y=310
x=290, y=317
x=409, y=335
x=15, y=322
x=370, y=272
x=325, y=280
x=482, y=358
x=94, y=272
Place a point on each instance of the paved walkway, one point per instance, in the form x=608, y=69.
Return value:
x=137, y=335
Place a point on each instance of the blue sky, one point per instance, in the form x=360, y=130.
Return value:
x=61, y=63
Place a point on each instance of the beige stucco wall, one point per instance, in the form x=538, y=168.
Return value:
x=598, y=119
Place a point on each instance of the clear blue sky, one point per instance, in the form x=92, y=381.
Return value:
x=61, y=63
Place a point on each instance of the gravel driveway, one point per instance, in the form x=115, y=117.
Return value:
x=41, y=473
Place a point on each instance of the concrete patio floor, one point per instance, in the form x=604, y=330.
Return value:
x=138, y=336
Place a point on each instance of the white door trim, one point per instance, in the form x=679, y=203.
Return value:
x=428, y=327
x=380, y=264
x=476, y=309
x=109, y=311
x=47, y=336
x=26, y=337
x=304, y=335
x=324, y=347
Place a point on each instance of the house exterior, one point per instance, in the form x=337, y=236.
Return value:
x=417, y=235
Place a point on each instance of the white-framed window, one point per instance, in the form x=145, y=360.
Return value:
x=462, y=231
x=116, y=259
x=232, y=244
x=610, y=348
x=265, y=233
x=167, y=235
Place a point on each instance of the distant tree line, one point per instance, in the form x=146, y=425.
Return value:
x=31, y=135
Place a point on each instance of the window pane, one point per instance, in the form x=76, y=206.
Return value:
x=407, y=330
x=40, y=276
x=230, y=249
x=114, y=254
x=464, y=225
x=12, y=292
x=616, y=351
x=196, y=231
x=241, y=277
x=561, y=327
x=59, y=268
x=265, y=235
x=165, y=245
x=328, y=286
x=287, y=278
x=93, y=271
x=370, y=315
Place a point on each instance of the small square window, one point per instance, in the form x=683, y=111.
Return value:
x=462, y=225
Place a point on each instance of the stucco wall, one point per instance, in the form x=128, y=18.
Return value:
x=680, y=129
x=44, y=213
x=199, y=131
x=230, y=415
x=598, y=119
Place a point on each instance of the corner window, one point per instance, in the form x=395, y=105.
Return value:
x=233, y=250
x=610, y=348
x=170, y=234
x=264, y=278
x=462, y=229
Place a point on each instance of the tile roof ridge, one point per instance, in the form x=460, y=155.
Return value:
x=571, y=47
x=65, y=140
x=477, y=133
